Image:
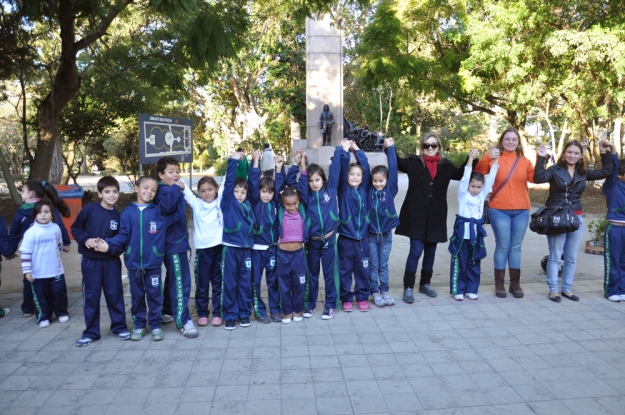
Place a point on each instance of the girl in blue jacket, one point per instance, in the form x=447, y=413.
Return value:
x=32, y=192
x=353, y=229
x=382, y=220
x=322, y=220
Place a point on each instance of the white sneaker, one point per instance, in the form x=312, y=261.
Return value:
x=189, y=330
x=458, y=297
x=167, y=319
x=286, y=320
x=44, y=323
x=615, y=298
x=388, y=299
x=622, y=299
x=63, y=319
x=5, y=312
x=471, y=296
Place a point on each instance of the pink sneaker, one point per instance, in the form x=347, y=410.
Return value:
x=216, y=322
x=347, y=306
x=363, y=306
x=202, y=321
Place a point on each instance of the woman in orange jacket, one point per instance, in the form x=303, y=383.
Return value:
x=509, y=208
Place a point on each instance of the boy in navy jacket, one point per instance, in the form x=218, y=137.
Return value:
x=264, y=196
x=141, y=238
x=614, y=238
x=100, y=270
x=7, y=250
x=177, y=285
x=238, y=239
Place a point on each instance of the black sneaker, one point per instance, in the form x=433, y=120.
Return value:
x=328, y=313
x=264, y=319
x=276, y=318
x=245, y=322
x=408, y=295
x=230, y=325
x=427, y=290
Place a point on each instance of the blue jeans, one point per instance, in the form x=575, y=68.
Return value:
x=379, y=252
x=418, y=247
x=509, y=227
x=566, y=243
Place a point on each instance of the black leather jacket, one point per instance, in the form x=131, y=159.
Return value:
x=562, y=187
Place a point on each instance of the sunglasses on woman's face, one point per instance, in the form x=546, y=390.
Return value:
x=428, y=145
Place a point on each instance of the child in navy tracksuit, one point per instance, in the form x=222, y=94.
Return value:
x=141, y=238
x=207, y=236
x=32, y=192
x=322, y=221
x=383, y=219
x=6, y=249
x=42, y=267
x=614, y=238
x=100, y=271
x=264, y=196
x=236, y=257
x=178, y=277
x=353, y=230
x=467, y=243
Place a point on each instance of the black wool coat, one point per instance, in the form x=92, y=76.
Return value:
x=424, y=212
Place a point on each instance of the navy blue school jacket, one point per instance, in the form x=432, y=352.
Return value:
x=476, y=239
x=94, y=221
x=322, y=206
x=22, y=220
x=238, y=217
x=6, y=248
x=382, y=214
x=614, y=191
x=171, y=200
x=141, y=237
x=266, y=226
x=353, y=206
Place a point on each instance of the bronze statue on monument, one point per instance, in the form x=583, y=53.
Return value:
x=325, y=125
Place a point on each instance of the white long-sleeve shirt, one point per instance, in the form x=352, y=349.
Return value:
x=470, y=206
x=207, y=219
x=40, y=251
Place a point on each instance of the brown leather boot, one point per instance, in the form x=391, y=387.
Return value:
x=515, y=283
x=500, y=288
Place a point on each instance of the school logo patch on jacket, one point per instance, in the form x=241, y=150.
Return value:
x=113, y=225
x=152, y=229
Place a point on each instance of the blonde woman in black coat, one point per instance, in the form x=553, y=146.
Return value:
x=423, y=215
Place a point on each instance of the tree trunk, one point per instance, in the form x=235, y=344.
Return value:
x=616, y=137
x=388, y=116
x=66, y=84
x=6, y=172
x=24, y=122
x=56, y=168
x=562, y=136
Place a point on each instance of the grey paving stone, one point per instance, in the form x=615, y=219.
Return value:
x=334, y=405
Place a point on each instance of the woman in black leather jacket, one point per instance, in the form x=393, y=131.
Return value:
x=567, y=181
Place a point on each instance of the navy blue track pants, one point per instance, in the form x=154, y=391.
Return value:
x=265, y=261
x=292, y=280
x=207, y=276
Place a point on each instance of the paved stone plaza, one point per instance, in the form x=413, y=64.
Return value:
x=437, y=356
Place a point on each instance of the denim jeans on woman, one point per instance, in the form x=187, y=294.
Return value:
x=567, y=244
x=509, y=227
x=379, y=251
x=418, y=247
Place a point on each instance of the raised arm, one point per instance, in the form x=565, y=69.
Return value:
x=253, y=179
x=391, y=160
x=279, y=179
x=402, y=163
x=228, y=184
x=364, y=162
x=607, y=168
x=337, y=176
